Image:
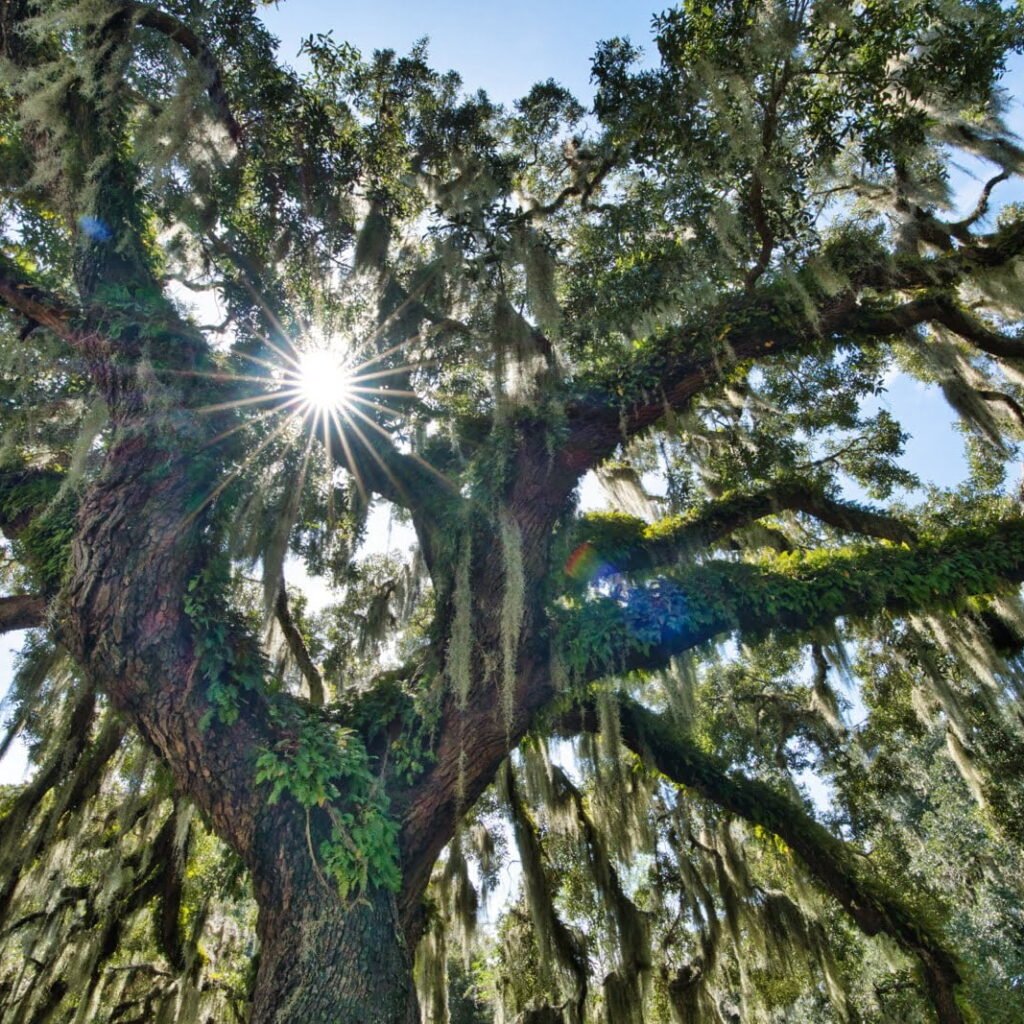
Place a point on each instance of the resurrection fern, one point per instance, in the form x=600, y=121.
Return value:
x=229, y=660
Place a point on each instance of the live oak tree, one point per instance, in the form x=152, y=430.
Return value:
x=244, y=809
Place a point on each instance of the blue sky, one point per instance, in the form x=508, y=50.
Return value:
x=502, y=48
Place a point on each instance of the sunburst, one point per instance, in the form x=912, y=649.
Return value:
x=319, y=386
x=341, y=388
x=325, y=380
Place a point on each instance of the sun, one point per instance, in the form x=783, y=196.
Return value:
x=339, y=390
x=324, y=380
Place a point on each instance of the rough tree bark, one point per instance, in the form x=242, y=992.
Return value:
x=323, y=959
x=141, y=543
x=122, y=615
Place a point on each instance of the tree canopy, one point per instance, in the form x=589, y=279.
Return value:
x=745, y=745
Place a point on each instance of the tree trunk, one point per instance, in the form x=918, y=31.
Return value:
x=323, y=959
x=322, y=962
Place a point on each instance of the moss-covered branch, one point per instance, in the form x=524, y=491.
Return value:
x=554, y=937
x=41, y=521
x=670, y=371
x=874, y=906
x=297, y=646
x=176, y=30
x=626, y=544
x=643, y=627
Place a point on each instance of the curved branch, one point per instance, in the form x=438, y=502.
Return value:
x=691, y=357
x=976, y=333
x=563, y=944
x=687, y=359
x=627, y=544
x=959, y=229
x=188, y=40
x=405, y=479
x=297, y=646
x=582, y=187
x=1008, y=402
x=875, y=908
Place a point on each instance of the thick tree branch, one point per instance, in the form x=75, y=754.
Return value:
x=563, y=943
x=21, y=611
x=1008, y=402
x=643, y=627
x=835, y=866
x=406, y=480
x=297, y=646
x=19, y=294
x=976, y=333
x=959, y=229
x=686, y=360
x=760, y=217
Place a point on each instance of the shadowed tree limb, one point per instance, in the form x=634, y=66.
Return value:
x=570, y=958
x=834, y=865
x=975, y=332
x=21, y=611
x=21, y=295
x=959, y=229
x=297, y=646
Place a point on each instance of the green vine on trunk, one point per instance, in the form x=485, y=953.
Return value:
x=228, y=658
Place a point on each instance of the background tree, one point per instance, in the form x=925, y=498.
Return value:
x=462, y=311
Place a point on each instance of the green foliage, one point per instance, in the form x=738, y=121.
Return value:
x=44, y=543
x=327, y=768
x=792, y=590
x=702, y=287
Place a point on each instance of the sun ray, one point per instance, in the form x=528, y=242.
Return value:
x=236, y=472
x=263, y=414
x=390, y=372
x=238, y=403
x=275, y=321
x=374, y=454
x=390, y=318
x=224, y=376
x=265, y=363
x=412, y=455
x=370, y=404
